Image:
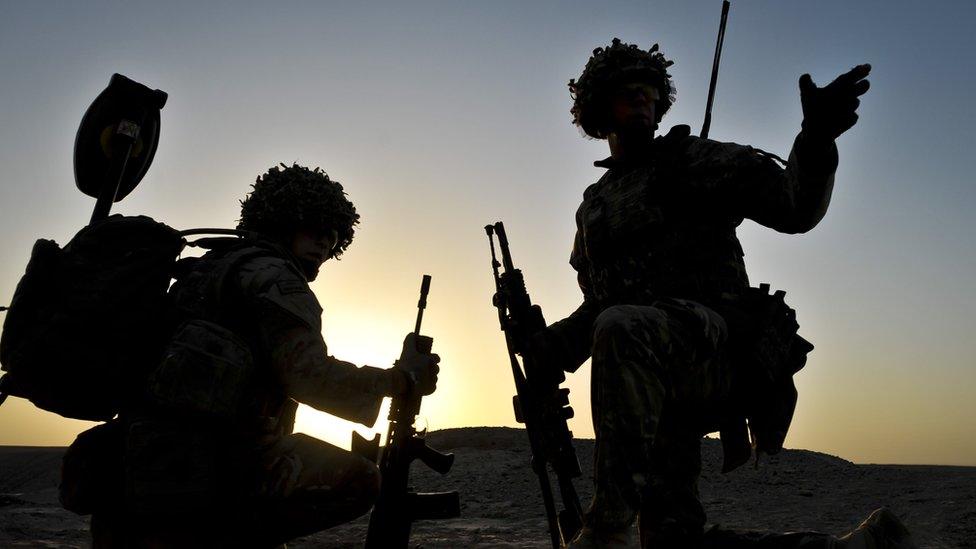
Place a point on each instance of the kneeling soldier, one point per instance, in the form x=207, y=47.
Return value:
x=680, y=344
x=210, y=454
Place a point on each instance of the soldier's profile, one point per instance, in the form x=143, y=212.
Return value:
x=681, y=345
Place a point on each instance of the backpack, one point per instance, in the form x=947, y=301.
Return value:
x=88, y=321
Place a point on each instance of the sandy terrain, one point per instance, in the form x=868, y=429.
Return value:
x=501, y=507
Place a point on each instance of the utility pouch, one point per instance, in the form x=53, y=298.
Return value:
x=767, y=353
x=776, y=347
x=206, y=370
x=91, y=470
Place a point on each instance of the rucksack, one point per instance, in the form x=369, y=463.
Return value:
x=88, y=321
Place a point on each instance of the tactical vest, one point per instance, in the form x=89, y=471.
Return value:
x=208, y=369
x=642, y=239
x=190, y=449
x=646, y=232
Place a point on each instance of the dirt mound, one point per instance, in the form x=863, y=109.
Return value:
x=501, y=505
x=29, y=468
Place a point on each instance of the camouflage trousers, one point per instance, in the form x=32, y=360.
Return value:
x=659, y=380
x=186, y=489
x=308, y=485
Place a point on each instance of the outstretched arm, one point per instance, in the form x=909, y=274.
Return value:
x=755, y=186
x=287, y=325
x=301, y=362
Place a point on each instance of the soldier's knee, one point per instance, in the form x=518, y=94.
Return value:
x=613, y=322
x=623, y=322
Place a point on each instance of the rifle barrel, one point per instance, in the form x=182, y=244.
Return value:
x=503, y=245
x=422, y=304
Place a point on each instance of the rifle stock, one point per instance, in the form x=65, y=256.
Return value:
x=540, y=404
x=367, y=448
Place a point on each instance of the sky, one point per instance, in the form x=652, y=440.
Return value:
x=441, y=117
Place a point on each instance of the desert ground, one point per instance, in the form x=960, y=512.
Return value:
x=501, y=506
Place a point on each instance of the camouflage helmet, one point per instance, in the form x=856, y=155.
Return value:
x=292, y=198
x=618, y=64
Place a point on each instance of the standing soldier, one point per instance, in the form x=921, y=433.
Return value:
x=667, y=311
x=210, y=456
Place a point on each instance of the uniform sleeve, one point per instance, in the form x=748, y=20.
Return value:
x=574, y=334
x=289, y=330
x=755, y=186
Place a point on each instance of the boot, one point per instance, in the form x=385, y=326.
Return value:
x=881, y=530
x=590, y=538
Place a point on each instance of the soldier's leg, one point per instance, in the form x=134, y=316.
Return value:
x=627, y=392
x=671, y=513
x=309, y=485
x=644, y=357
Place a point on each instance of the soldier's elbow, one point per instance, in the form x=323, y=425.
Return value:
x=799, y=227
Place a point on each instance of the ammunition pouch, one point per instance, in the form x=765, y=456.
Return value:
x=206, y=371
x=766, y=352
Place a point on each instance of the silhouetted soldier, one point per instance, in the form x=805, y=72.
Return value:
x=666, y=296
x=211, y=459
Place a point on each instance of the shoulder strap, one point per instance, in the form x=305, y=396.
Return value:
x=229, y=264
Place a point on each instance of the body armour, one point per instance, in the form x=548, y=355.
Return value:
x=662, y=228
x=215, y=365
x=665, y=226
x=257, y=292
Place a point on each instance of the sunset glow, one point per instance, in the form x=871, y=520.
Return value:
x=441, y=117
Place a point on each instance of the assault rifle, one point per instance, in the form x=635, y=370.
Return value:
x=539, y=403
x=398, y=506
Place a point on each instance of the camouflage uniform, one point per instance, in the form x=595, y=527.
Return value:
x=660, y=268
x=216, y=433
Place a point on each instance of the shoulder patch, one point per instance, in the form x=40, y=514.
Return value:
x=258, y=274
x=293, y=296
x=276, y=281
x=291, y=287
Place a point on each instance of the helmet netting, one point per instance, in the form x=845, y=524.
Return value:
x=610, y=67
x=291, y=198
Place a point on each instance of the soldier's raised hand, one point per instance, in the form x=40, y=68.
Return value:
x=832, y=110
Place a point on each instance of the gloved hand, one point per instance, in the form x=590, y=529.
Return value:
x=545, y=348
x=831, y=110
x=419, y=364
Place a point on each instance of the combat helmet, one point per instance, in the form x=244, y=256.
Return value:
x=292, y=198
x=618, y=63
